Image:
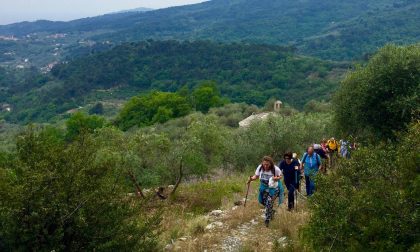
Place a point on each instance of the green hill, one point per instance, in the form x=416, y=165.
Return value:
x=330, y=29
x=243, y=72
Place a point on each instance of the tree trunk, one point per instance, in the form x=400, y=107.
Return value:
x=181, y=174
x=139, y=193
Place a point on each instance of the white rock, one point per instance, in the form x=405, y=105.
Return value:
x=234, y=208
x=171, y=186
x=218, y=224
x=169, y=247
x=216, y=212
x=282, y=239
x=183, y=239
x=209, y=227
x=269, y=243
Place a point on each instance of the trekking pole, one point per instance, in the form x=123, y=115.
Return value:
x=247, y=191
x=296, y=183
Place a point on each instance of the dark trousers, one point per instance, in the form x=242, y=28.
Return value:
x=310, y=185
x=291, y=195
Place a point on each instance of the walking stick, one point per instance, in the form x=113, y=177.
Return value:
x=296, y=195
x=247, y=191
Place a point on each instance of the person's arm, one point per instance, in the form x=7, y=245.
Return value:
x=255, y=176
x=278, y=174
x=252, y=178
x=302, y=163
x=297, y=166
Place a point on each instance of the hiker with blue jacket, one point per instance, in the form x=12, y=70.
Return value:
x=311, y=164
x=270, y=186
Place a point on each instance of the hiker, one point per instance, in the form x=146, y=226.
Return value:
x=290, y=169
x=295, y=157
x=311, y=163
x=344, y=149
x=332, y=146
x=270, y=186
x=324, y=145
x=318, y=150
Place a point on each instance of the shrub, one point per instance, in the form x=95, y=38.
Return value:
x=59, y=196
x=380, y=99
x=370, y=202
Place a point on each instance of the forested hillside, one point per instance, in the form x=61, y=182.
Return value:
x=156, y=183
x=243, y=72
x=326, y=28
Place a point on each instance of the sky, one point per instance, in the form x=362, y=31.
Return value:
x=12, y=11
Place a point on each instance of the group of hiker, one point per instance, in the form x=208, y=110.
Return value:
x=292, y=170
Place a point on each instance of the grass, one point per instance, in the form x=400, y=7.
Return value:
x=185, y=215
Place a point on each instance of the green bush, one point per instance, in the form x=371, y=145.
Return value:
x=382, y=98
x=82, y=123
x=275, y=136
x=371, y=202
x=151, y=108
x=60, y=196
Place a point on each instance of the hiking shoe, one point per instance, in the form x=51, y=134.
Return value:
x=267, y=222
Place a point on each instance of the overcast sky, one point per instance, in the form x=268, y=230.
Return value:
x=29, y=10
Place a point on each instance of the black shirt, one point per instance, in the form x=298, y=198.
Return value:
x=289, y=171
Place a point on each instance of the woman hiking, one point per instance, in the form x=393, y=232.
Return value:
x=291, y=172
x=270, y=186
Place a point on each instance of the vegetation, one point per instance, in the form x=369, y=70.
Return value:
x=155, y=107
x=326, y=28
x=81, y=123
x=373, y=197
x=63, y=196
x=382, y=98
x=243, y=72
x=160, y=107
x=81, y=187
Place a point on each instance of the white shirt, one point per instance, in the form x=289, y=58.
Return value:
x=266, y=175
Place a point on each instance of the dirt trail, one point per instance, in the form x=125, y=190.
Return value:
x=240, y=228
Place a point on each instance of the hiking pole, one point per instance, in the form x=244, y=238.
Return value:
x=296, y=183
x=247, y=191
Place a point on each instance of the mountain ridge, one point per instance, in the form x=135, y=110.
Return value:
x=315, y=27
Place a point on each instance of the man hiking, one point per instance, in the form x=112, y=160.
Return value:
x=270, y=185
x=324, y=155
x=291, y=173
x=311, y=163
x=333, y=147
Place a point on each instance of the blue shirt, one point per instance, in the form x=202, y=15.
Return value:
x=311, y=163
x=289, y=172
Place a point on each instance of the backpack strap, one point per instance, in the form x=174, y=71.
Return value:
x=304, y=158
x=318, y=160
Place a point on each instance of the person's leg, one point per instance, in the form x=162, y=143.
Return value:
x=312, y=186
x=261, y=196
x=308, y=185
x=268, y=209
x=290, y=196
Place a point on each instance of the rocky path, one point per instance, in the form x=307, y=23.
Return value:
x=235, y=230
